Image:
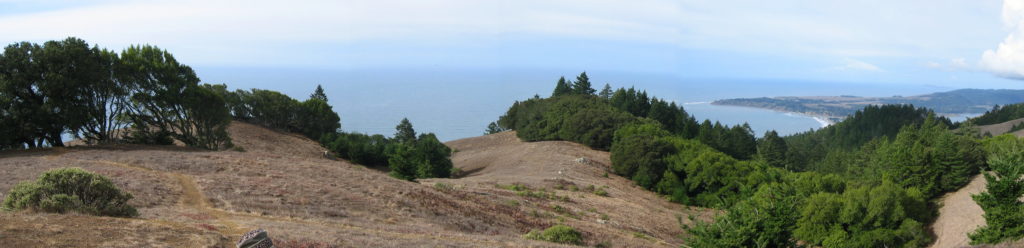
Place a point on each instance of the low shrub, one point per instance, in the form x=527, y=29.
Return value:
x=558, y=234
x=70, y=190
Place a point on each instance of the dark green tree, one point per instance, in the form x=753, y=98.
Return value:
x=562, y=88
x=404, y=133
x=582, y=85
x=437, y=157
x=106, y=101
x=606, y=92
x=204, y=121
x=772, y=149
x=493, y=128
x=766, y=219
x=318, y=94
x=317, y=118
x=166, y=98
x=1004, y=213
x=404, y=161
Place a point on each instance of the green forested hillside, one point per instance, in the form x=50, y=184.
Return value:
x=865, y=182
x=999, y=114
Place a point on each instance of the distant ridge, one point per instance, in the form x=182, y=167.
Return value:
x=836, y=108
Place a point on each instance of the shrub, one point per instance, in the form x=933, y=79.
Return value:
x=71, y=190
x=558, y=233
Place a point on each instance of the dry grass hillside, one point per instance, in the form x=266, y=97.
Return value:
x=195, y=198
x=1002, y=128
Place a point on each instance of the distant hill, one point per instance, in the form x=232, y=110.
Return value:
x=835, y=108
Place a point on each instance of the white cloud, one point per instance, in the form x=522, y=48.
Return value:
x=240, y=32
x=1007, y=60
x=857, y=65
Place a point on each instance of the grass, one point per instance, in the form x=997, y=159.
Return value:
x=558, y=234
x=641, y=235
x=444, y=187
x=510, y=203
x=524, y=191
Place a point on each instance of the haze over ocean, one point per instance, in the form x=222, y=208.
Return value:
x=457, y=104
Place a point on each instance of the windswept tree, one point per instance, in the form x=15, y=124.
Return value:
x=167, y=99
x=32, y=107
x=60, y=87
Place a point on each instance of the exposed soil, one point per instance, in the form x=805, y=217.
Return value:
x=959, y=215
x=281, y=183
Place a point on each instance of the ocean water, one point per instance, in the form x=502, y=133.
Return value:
x=457, y=104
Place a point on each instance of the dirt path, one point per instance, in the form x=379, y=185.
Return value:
x=959, y=216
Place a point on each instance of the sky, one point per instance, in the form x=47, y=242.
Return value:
x=948, y=43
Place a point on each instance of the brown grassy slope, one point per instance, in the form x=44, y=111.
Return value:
x=1001, y=128
x=282, y=184
x=628, y=217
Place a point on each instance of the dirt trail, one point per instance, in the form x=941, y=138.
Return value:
x=959, y=216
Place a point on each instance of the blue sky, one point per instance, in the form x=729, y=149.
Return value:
x=951, y=43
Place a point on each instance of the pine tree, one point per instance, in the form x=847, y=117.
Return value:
x=773, y=149
x=404, y=133
x=582, y=85
x=562, y=88
x=318, y=94
x=606, y=93
x=1004, y=214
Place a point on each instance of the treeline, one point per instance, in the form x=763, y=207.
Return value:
x=407, y=155
x=864, y=182
x=69, y=87
x=873, y=122
x=313, y=117
x=575, y=113
x=142, y=95
x=877, y=195
x=999, y=114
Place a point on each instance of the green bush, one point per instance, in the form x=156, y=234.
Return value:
x=559, y=234
x=70, y=190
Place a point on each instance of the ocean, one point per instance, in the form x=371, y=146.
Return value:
x=457, y=104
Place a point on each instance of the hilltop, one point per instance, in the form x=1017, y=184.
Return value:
x=197, y=198
x=836, y=108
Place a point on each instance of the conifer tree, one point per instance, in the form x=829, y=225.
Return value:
x=773, y=149
x=582, y=85
x=319, y=94
x=404, y=133
x=606, y=93
x=561, y=88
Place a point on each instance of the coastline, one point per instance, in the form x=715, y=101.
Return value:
x=822, y=120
